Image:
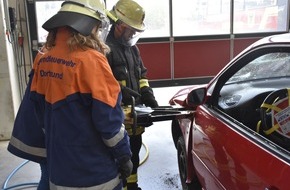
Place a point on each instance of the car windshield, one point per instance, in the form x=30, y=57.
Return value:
x=267, y=66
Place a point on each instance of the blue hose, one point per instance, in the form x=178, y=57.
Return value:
x=19, y=185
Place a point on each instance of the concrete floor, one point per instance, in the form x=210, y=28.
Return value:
x=158, y=172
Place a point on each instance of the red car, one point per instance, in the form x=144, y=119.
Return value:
x=238, y=135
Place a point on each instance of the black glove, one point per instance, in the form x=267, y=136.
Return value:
x=148, y=98
x=125, y=169
x=127, y=94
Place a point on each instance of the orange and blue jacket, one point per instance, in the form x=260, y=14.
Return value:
x=77, y=103
x=27, y=140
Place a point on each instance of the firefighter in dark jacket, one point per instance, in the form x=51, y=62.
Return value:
x=127, y=17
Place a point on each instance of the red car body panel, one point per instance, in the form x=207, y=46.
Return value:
x=223, y=155
x=223, y=158
x=231, y=159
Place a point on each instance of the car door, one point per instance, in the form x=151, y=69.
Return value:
x=231, y=158
x=227, y=154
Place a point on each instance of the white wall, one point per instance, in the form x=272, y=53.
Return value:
x=6, y=105
x=10, y=96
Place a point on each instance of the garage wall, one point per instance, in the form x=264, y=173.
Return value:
x=156, y=58
x=200, y=58
x=6, y=96
x=192, y=59
x=241, y=44
x=15, y=63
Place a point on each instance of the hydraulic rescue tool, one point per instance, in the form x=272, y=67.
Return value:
x=140, y=115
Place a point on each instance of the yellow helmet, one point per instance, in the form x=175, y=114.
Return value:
x=129, y=12
x=81, y=15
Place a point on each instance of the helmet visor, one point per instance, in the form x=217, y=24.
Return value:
x=81, y=23
x=130, y=36
x=104, y=29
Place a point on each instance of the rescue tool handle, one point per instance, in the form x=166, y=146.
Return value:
x=130, y=91
x=134, y=116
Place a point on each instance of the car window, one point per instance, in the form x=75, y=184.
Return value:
x=278, y=64
x=246, y=84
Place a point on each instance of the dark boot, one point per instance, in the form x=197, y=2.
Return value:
x=133, y=186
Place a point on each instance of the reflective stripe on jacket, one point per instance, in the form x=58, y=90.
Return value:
x=27, y=139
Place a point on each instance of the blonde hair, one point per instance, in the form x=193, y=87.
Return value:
x=77, y=40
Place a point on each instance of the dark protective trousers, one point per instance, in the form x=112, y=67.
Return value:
x=135, y=144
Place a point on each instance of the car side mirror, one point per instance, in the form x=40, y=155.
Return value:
x=196, y=97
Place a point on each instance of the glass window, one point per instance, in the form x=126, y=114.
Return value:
x=252, y=16
x=43, y=11
x=278, y=64
x=201, y=17
x=194, y=18
x=156, y=17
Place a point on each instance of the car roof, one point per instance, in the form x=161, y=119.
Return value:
x=273, y=39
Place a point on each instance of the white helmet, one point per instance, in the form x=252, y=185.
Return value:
x=81, y=15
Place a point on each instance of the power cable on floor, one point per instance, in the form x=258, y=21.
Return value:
x=35, y=184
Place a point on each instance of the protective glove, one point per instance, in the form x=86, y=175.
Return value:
x=125, y=169
x=148, y=98
x=127, y=94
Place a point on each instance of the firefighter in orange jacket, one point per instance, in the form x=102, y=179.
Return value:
x=77, y=118
x=127, y=66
